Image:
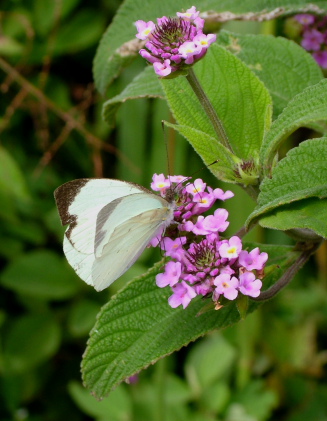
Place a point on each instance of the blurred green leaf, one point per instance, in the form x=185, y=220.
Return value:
x=208, y=361
x=47, y=13
x=284, y=67
x=145, y=84
x=117, y=407
x=300, y=175
x=53, y=224
x=215, y=397
x=177, y=391
x=82, y=317
x=258, y=401
x=12, y=181
x=31, y=340
x=42, y=274
x=27, y=231
x=83, y=30
x=10, y=247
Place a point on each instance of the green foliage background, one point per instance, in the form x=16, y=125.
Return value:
x=271, y=366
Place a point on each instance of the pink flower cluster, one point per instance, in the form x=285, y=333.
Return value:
x=174, y=43
x=202, y=262
x=314, y=37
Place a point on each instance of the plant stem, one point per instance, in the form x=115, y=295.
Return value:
x=287, y=276
x=160, y=377
x=208, y=108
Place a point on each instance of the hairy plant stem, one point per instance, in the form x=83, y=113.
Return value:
x=288, y=275
x=208, y=108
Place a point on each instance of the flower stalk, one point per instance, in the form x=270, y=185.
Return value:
x=288, y=275
x=208, y=108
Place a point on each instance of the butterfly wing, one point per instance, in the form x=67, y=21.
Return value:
x=116, y=228
x=80, y=201
x=126, y=244
x=123, y=210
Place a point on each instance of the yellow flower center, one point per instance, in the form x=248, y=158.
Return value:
x=232, y=250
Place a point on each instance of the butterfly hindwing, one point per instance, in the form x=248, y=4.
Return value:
x=126, y=244
x=122, y=210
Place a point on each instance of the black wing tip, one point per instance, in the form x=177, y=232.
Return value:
x=65, y=195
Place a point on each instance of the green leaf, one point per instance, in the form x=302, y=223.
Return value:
x=210, y=150
x=12, y=181
x=82, y=317
x=257, y=400
x=119, y=44
x=117, y=407
x=137, y=326
x=235, y=88
x=146, y=84
x=31, y=340
x=284, y=67
x=46, y=13
x=307, y=107
x=208, y=361
x=80, y=32
x=42, y=274
x=306, y=214
x=300, y=175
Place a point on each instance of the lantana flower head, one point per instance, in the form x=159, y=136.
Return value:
x=202, y=262
x=173, y=44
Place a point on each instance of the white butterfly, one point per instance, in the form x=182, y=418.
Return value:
x=110, y=224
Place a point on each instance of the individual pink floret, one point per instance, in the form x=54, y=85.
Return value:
x=159, y=182
x=226, y=286
x=221, y=216
x=182, y=295
x=249, y=285
x=170, y=276
x=188, y=50
x=231, y=248
x=211, y=223
x=252, y=260
x=221, y=195
x=204, y=200
x=178, y=178
x=144, y=29
x=191, y=14
x=197, y=186
x=162, y=69
x=173, y=248
x=149, y=57
x=204, y=41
